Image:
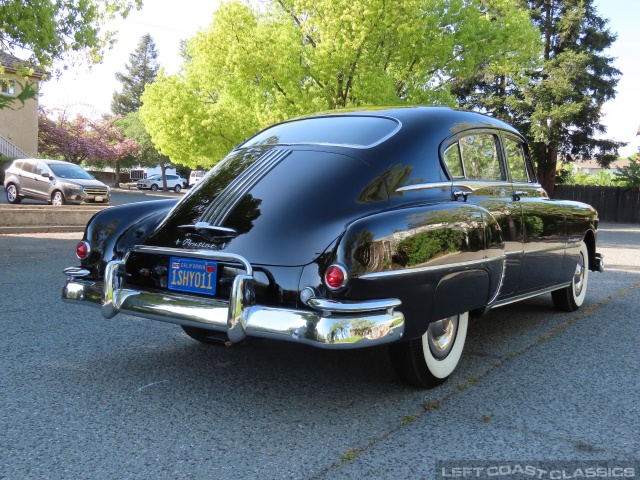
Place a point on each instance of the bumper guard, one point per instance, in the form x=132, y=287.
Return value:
x=331, y=324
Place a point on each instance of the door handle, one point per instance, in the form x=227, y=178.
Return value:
x=519, y=193
x=460, y=193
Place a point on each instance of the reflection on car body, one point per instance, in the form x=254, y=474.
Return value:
x=347, y=230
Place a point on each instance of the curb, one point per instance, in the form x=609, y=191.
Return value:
x=45, y=218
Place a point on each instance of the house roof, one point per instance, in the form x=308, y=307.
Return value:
x=616, y=165
x=13, y=63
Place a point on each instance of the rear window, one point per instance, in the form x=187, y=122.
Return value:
x=344, y=131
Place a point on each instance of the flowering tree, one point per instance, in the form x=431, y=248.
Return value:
x=81, y=139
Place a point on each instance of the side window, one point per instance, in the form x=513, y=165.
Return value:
x=28, y=167
x=515, y=158
x=453, y=161
x=480, y=157
x=40, y=169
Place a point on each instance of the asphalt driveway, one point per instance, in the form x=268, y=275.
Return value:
x=82, y=397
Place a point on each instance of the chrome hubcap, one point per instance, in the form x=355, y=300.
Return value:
x=578, y=276
x=57, y=200
x=11, y=193
x=442, y=335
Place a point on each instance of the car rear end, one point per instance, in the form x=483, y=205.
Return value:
x=245, y=252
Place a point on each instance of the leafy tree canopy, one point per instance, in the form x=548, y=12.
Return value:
x=54, y=30
x=140, y=71
x=630, y=175
x=559, y=106
x=51, y=29
x=253, y=67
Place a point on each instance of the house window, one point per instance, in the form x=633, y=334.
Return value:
x=7, y=87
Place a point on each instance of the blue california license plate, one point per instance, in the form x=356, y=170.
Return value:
x=193, y=275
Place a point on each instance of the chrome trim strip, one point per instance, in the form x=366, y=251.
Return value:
x=76, y=272
x=326, y=305
x=422, y=186
x=502, y=275
x=226, y=201
x=208, y=227
x=525, y=296
x=318, y=329
x=431, y=268
x=204, y=254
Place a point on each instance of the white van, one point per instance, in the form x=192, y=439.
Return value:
x=195, y=177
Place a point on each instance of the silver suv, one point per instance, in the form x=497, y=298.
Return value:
x=52, y=181
x=154, y=182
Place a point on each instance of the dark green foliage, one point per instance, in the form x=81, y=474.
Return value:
x=558, y=106
x=141, y=70
x=4, y=164
x=630, y=174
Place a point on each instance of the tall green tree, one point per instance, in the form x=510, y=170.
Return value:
x=558, y=106
x=253, y=67
x=147, y=155
x=140, y=71
x=53, y=30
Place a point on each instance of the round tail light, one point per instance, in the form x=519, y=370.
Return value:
x=83, y=249
x=335, y=277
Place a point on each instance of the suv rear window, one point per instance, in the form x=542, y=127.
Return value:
x=353, y=131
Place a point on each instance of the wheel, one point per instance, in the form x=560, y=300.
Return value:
x=205, y=336
x=154, y=187
x=429, y=360
x=57, y=198
x=12, y=194
x=177, y=188
x=571, y=298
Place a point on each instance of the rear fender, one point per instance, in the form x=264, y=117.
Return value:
x=111, y=232
x=439, y=260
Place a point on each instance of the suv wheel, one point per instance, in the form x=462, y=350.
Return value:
x=57, y=198
x=12, y=194
x=154, y=187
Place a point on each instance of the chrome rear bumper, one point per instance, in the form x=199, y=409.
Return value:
x=331, y=324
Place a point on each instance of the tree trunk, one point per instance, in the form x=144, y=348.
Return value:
x=547, y=168
x=164, y=167
x=116, y=183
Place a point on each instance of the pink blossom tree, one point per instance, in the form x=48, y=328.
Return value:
x=97, y=142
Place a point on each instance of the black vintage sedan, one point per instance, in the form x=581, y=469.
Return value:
x=347, y=230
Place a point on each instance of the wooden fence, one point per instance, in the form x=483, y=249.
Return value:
x=614, y=204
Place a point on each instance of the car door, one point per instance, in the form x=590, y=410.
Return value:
x=543, y=221
x=41, y=181
x=479, y=177
x=28, y=183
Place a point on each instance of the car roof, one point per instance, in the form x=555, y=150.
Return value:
x=47, y=161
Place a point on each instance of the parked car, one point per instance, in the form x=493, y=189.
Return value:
x=154, y=182
x=52, y=181
x=348, y=230
x=195, y=176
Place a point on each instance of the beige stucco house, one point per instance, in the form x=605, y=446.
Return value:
x=593, y=168
x=18, y=123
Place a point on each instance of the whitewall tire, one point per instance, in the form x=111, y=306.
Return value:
x=429, y=360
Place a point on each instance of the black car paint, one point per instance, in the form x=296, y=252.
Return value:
x=322, y=204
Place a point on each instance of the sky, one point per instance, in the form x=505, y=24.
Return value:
x=89, y=90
